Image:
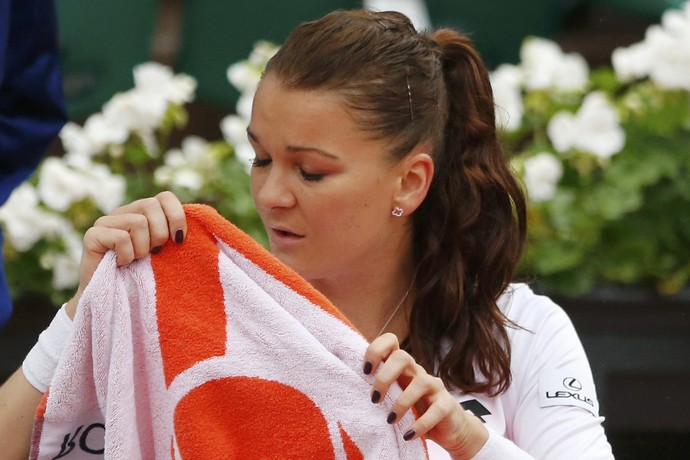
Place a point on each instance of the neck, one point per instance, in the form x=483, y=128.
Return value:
x=369, y=299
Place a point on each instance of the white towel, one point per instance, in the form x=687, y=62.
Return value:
x=213, y=349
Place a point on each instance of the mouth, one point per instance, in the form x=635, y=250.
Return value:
x=285, y=233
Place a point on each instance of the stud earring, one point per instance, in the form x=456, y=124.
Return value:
x=397, y=211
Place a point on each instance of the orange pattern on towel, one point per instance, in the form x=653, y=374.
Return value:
x=264, y=424
x=264, y=417
x=187, y=274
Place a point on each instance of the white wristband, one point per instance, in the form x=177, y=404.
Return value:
x=499, y=448
x=40, y=364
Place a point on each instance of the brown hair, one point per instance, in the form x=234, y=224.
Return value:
x=469, y=231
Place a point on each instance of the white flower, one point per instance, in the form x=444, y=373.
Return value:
x=101, y=132
x=542, y=173
x=244, y=105
x=416, y=10
x=194, y=148
x=65, y=265
x=663, y=56
x=563, y=130
x=158, y=79
x=77, y=161
x=262, y=52
x=506, y=83
x=75, y=141
x=65, y=272
x=671, y=66
x=631, y=63
x=546, y=67
x=677, y=22
x=243, y=76
x=234, y=131
x=245, y=154
x=595, y=128
x=98, y=132
x=60, y=185
x=186, y=167
x=106, y=189
x=136, y=110
x=188, y=178
x=26, y=223
x=142, y=108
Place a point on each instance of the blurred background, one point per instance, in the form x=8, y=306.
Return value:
x=638, y=342
x=102, y=41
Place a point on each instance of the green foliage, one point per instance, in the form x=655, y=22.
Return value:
x=621, y=221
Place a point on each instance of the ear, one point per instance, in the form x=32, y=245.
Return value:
x=415, y=174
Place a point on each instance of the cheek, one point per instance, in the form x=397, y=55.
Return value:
x=349, y=216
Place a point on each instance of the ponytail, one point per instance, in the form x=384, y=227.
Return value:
x=478, y=211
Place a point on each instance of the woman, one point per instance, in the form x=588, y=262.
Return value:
x=379, y=178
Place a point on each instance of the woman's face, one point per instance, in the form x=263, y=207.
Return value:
x=323, y=188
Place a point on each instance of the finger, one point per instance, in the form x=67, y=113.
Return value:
x=414, y=395
x=174, y=213
x=145, y=217
x=440, y=408
x=136, y=226
x=379, y=350
x=97, y=241
x=165, y=215
x=398, y=366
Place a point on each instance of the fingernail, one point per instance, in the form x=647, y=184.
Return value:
x=179, y=236
x=367, y=368
x=409, y=435
x=156, y=250
x=391, y=417
x=375, y=397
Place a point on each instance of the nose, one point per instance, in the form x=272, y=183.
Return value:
x=271, y=189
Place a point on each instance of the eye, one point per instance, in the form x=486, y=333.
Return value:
x=311, y=177
x=260, y=162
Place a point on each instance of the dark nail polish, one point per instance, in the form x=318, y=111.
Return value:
x=179, y=236
x=409, y=435
x=367, y=368
x=391, y=417
x=375, y=397
x=156, y=250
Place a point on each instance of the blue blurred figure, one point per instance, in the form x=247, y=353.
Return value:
x=32, y=109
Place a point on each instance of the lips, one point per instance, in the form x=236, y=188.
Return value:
x=284, y=232
x=282, y=239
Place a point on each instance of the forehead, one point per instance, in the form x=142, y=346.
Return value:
x=273, y=93
x=303, y=113
x=285, y=118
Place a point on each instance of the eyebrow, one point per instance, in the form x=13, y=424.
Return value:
x=294, y=148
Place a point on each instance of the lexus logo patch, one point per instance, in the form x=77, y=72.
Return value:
x=561, y=387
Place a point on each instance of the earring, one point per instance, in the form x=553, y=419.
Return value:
x=397, y=211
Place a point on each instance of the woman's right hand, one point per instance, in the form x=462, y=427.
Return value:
x=132, y=231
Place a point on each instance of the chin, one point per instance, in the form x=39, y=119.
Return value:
x=289, y=261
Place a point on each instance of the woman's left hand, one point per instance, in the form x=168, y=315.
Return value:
x=440, y=417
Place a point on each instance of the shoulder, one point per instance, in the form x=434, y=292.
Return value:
x=541, y=330
x=531, y=311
